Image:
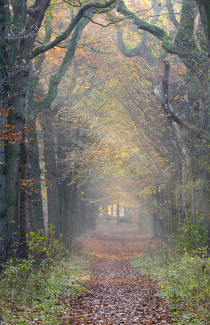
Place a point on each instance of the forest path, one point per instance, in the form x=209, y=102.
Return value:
x=116, y=292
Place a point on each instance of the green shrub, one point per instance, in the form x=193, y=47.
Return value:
x=183, y=281
x=191, y=236
x=31, y=290
x=47, y=247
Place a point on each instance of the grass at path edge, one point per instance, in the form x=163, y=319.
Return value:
x=33, y=298
x=183, y=281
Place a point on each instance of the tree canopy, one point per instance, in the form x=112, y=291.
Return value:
x=102, y=103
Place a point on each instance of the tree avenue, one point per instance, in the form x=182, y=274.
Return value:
x=22, y=20
x=104, y=108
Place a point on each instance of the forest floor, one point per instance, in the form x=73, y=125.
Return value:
x=116, y=293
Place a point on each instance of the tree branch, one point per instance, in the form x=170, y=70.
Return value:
x=171, y=13
x=158, y=32
x=40, y=49
x=34, y=77
x=102, y=25
x=184, y=45
x=57, y=77
x=166, y=106
x=139, y=50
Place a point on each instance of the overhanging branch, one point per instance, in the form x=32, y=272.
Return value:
x=153, y=29
x=166, y=107
x=40, y=49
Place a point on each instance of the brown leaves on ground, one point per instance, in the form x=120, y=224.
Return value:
x=116, y=293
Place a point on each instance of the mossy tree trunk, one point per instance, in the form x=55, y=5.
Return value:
x=204, y=10
x=47, y=112
x=3, y=107
x=26, y=24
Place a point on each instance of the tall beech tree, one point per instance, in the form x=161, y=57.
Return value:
x=3, y=108
x=44, y=107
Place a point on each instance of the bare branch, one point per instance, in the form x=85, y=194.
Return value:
x=67, y=32
x=166, y=107
x=171, y=13
x=140, y=49
x=102, y=25
x=153, y=29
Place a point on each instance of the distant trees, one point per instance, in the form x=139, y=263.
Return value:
x=192, y=147
x=185, y=106
x=133, y=126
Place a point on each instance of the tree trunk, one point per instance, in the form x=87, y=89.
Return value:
x=3, y=107
x=64, y=197
x=35, y=214
x=28, y=24
x=22, y=248
x=34, y=200
x=14, y=151
x=51, y=169
x=118, y=213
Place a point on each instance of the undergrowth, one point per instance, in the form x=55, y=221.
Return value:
x=183, y=281
x=32, y=290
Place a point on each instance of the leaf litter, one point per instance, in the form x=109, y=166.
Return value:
x=116, y=293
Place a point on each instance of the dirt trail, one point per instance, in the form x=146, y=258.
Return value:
x=117, y=293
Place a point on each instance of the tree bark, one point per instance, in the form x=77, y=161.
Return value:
x=118, y=213
x=29, y=23
x=3, y=107
x=51, y=169
x=35, y=215
x=204, y=10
